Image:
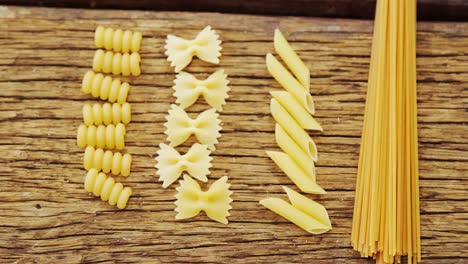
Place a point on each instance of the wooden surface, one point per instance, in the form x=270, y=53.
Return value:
x=47, y=217
x=451, y=10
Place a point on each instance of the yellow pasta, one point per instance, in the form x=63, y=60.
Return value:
x=107, y=161
x=294, y=63
x=297, y=111
x=215, y=201
x=206, y=46
x=287, y=80
x=105, y=88
x=106, y=114
x=304, y=212
x=302, y=180
x=110, y=136
x=171, y=164
x=294, y=130
x=117, y=63
x=117, y=40
x=101, y=185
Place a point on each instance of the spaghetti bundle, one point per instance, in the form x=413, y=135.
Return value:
x=386, y=210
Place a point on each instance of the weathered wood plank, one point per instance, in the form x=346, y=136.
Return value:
x=46, y=215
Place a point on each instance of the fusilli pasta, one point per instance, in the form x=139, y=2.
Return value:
x=106, y=114
x=101, y=185
x=117, y=40
x=110, y=136
x=107, y=161
x=105, y=88
x=117, y=63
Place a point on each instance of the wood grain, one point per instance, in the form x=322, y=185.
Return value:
x=47, y=217
x=452, y=10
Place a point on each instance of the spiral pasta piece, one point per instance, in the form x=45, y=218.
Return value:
x=117, y=40
x=106, y=114
x=105, y=88
x=101, y=185
x=110, y=136
x=107, y=161
x=117, y=63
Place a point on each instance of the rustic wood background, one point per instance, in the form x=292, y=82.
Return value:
x=446, y=10
x=47, y=217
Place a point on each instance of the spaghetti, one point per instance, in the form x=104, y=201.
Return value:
x=386, y=210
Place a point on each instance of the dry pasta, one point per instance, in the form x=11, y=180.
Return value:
x=107, y=161
x=287, y=80
x=117, y=40
x=179, y=127
x=302, y=180
x=117, y=63
x=287, y=144
x=304, y=212
x=101, y=185
x=105, y=88
x=110, y=136
x=294, y=130
x=215, y=201
x=171, y=164
x=297, y=111
x=386, y=220
x=214, y=89
x=294, y=63
x=106, y=114
x=206, y=46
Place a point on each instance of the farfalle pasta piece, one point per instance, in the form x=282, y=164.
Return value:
x=179, y=127
x=214, y=89
x=205, y=46
x=171, y=164
x=304, y=212
x=215, y=201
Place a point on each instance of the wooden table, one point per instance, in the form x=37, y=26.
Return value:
x=47, y=217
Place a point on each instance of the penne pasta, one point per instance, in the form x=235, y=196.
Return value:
x=296, y=110
x=287, y=80
x=294, y=130
x=304, y=212
x=294, y=63
x=304, y=182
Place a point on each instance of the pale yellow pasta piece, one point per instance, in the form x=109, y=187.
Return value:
x=206, y=46
x=302, y=180
x=117, y=63
x=304, y=212
x=105, y=88
x=296, y=110
x=214, y=89
x=179, y=127
x=106, y=187
x=117, y=40
x=171, y=164
x=292, y=60
x=109, y=136
x=287, y=80
x=294, y=130
x=106, y=114
x=215, y=201
x=107, y=161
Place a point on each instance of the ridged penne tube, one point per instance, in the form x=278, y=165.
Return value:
x=106, y=114
x=294, y=130
x=294, y=63
x=303, y=181
x=107, y=161
x=291, y=148
x=304, y=212
x=117, y=63
x=296, y=110
x=117, y=40
x=105, y=88
x=109, y=136
x=287, y=80
x=101, y=185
